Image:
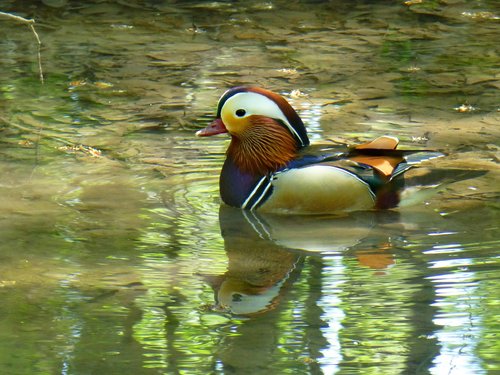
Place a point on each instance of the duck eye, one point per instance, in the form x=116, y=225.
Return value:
x=240, y=112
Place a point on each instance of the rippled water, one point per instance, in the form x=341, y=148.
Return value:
x=115, y=255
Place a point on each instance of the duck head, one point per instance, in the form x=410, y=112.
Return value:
x=266, y=132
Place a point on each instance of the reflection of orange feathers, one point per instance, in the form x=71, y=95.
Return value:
x=376, y=260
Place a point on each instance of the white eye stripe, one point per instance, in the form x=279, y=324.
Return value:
x=255, y=104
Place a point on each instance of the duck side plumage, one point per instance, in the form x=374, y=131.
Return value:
x=270, y=165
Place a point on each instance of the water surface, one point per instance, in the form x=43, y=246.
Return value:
x=115, y=254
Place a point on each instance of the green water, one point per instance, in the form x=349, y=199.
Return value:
x=115, y=254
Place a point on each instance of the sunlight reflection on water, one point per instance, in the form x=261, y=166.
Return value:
x=115, y=255
x=332, y=314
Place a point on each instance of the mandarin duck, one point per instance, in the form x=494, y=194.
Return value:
x=270, y=165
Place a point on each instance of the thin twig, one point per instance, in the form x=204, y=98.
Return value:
x=17, y=18
x=31, y=25
x=40, y=71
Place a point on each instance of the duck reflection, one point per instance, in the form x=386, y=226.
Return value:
x=339, y=299
x=259, y=269
x=266, y=253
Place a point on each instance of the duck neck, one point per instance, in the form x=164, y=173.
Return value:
x=263, y=148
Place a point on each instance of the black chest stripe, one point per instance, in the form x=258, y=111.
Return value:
x=259, y=194
x=370, y=190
